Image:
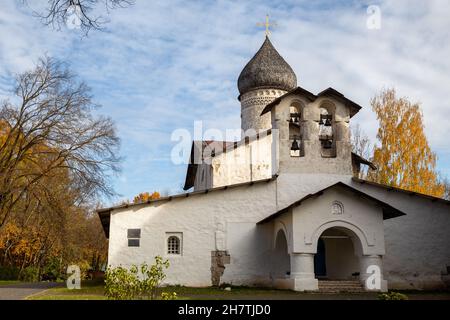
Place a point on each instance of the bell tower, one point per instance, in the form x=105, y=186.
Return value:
x=314, y=132
x=266, y=77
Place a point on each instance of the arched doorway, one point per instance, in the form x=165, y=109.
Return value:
x=320, y=266
x=281, y=264
x=338, y=254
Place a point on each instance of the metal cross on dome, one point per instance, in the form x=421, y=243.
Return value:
x=267, y=24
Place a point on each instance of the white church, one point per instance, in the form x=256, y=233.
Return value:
x=283, y=207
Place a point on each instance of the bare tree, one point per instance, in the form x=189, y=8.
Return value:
x=446, y=183
x=51, y=130
x=361, y=144
x=82, y=14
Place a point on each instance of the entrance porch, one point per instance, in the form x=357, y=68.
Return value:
x=330, y=236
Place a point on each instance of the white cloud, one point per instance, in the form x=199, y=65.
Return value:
x=163, y=64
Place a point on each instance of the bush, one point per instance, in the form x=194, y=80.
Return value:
x=152, y=277
x=121, y=283
x=137, y=282
x=168, y=296
x=392, y=296
x=52, y=270
x=29, y=274
x=9, y=273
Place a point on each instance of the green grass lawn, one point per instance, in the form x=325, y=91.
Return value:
x=90, y=290
x=8, y=282
x=95, y=291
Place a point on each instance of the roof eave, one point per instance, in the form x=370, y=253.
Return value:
x=390, y=188
x=389, y=212
x=329, y=92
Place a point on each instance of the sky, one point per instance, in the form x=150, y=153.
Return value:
x=162, y=65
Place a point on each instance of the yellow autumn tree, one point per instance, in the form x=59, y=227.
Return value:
x=146, y=196
x=403, y=157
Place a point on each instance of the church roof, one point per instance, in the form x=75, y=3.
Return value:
x=360, y=160
x=330, y=92
x=411, y=193
x=267, y=69
x=388, y=210
x=196, y=157
x=197, y=154
x=105, y=213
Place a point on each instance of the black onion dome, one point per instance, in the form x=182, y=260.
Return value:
x=267, y=69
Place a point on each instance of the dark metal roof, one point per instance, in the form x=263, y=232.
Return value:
x=330, y=92
x=197, y=154
x=267, y=69
x=390, y=188
x=358, y=159
x=388, y=211
x=196, y=158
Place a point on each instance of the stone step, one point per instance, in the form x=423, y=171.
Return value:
x=340, y=284
x=339, y=281
x=333, y=286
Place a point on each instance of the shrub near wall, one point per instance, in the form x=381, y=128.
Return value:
x=137, y=282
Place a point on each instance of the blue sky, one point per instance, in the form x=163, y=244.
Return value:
x=161, y=65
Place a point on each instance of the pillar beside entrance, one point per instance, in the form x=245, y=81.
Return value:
x=302, y=272
x=371, y=274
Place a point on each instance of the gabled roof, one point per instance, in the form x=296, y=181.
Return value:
x=388, y=211
x=330, y=92
x=105, y=213
x=197, y=155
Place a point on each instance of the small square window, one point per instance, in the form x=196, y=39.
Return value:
x=133, y=242
x=134, y=233
x=134, y=236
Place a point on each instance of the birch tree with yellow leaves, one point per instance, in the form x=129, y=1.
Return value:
x=403, y=156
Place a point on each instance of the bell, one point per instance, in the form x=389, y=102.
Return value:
x=328, y=122
x=321, y=121
x=327, y=144
x=295, y=146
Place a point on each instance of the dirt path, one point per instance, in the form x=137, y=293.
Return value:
x=22, y=290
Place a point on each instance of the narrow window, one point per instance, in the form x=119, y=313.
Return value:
x=326, y=135
x=295, y=132
x=173, y=245
x=174, y=242
x=134, y=237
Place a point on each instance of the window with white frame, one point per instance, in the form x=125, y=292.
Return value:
x=174, y=243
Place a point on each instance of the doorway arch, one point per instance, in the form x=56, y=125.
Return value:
x=338, y=254
x=281, y=264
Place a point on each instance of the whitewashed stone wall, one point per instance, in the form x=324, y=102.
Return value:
x=248, y=162
x=313, y=161
x=315, y=216
x=417, y=244
x=252, y=105
x=198, y=218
